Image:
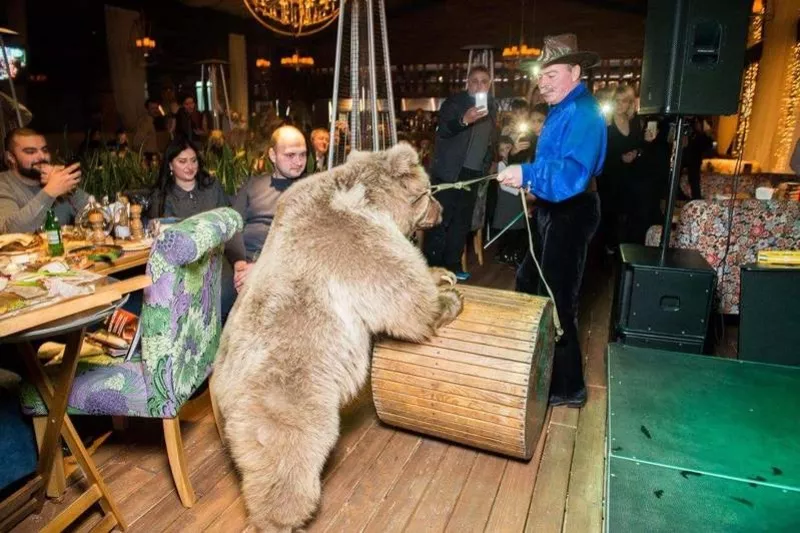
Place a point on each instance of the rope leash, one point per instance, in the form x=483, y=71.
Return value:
x=460, y=185
x=464, y=185
x=556, y=319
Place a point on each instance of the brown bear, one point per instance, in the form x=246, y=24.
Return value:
x=337, y=268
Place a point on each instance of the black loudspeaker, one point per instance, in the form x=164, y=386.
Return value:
x=693, y=56
x=769, y=315
x=662, y=306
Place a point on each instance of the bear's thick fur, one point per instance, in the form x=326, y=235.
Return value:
x=337, y=269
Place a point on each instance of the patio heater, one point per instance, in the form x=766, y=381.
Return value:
x=212, y=76
x=480, y=54
x=362, y=109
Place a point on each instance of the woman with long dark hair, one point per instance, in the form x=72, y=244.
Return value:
x=186, y=189
x=184, y=186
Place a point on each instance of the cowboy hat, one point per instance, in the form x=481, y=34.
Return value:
x=563, y=49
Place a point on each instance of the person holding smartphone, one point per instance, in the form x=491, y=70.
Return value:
x=33, y=185
x=570, y=153
x=463, y=150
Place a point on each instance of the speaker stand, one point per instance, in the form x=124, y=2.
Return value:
x=674, y=185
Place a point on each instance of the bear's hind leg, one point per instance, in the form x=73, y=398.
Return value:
x=281, y=468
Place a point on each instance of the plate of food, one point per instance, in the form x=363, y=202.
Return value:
x=99, y=253
x=10, y=302
x=21, y=246
x=135, y=246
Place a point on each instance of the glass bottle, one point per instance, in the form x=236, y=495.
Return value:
x=53, y=231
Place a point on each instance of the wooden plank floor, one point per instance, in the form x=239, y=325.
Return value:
x=383, y=480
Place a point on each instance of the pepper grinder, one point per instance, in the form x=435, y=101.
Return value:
x=137, y=228
x=96, y=219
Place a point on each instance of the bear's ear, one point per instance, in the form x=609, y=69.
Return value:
x=402, y=158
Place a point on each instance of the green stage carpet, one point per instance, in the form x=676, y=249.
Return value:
x=698, y=443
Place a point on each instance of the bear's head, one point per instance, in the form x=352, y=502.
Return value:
x=395, y=182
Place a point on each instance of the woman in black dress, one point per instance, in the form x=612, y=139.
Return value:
x=617, y=182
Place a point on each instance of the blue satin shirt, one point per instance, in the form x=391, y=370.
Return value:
x=571, y=149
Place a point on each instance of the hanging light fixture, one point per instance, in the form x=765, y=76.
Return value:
x=520, y=55
x=294, y=18
x=297, y=61
x=521, y=52
x=142, y=43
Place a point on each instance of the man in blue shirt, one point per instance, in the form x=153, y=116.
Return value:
x=570, y=153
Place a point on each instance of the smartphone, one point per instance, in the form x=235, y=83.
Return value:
x=522, y=131
x=481, y=100
x=652, y=127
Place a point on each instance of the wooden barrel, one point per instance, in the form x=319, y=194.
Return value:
x=483, y=380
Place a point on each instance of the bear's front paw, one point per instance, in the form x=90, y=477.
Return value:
x=451, y=302
x=442, y=276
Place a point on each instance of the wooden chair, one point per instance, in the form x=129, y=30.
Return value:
x=477, y=245
x=181, y=327
x=478, y=221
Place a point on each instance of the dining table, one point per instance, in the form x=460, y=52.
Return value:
x=68, y=319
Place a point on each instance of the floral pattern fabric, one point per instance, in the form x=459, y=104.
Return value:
x=181, y=326
x=714, y=185
x=757, y=225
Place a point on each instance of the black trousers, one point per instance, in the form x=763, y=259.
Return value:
x=444, y=243
x=565, y=230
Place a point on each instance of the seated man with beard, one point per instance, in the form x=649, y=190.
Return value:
x=32, y=185
x=258, y=198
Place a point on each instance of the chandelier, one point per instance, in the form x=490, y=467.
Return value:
x=294, y=18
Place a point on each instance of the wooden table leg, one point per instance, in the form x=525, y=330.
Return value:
x=59, y=424
x=56, y=406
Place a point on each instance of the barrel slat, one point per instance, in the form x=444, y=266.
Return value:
x=451, y=403
x=447, y=376
x=497, y=315
x=438, y=342
x=450, y=420
x=525, y=299
x=447, y=423
x=471, y=315
x=438, y=385
x=486, y=339
x=453, y=366
x=462, y=437
x=440, y=354
x=500, y=307
x=514, y=427
x=494, y=329
x=530, y=309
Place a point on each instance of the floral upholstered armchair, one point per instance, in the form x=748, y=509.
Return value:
x=757, y=225
x=181, y=327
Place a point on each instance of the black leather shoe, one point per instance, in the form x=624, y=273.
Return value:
x=576, y=400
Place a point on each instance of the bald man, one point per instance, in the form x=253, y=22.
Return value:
x=258, y=197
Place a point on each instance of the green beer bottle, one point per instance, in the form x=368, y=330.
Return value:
x=53, y=231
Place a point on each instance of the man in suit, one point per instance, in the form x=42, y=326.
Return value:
x=463, y=151
x=318, y=158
